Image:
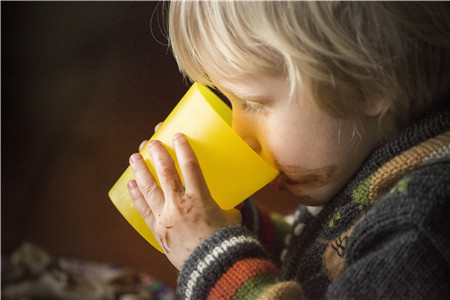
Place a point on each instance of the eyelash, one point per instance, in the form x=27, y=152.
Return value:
x=251, y=106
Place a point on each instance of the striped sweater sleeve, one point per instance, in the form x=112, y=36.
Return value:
x=233, y=264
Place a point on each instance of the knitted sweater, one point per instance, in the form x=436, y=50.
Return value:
x=385, y=235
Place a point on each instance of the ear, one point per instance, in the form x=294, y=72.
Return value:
x=375, y=106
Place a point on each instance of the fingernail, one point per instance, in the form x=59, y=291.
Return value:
x=152, y=143
x=142, y=145
x=132, y=184
x=135, y=157
x=178, y=136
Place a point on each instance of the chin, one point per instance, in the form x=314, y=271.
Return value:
x=313, y=198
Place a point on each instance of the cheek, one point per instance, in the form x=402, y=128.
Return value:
x=311, y=157
x=290, y=133
x=283, y=145
x=301, y=138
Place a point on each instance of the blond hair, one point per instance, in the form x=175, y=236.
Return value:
x=343, y=54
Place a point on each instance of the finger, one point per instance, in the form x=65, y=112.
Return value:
x=194, y=180
x=166, y=171
x=146, y=182
x=144, y=142
x=140, y=203
x=142, y=145
x=157, y=126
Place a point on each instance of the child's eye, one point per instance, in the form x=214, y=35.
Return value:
x=251, y=106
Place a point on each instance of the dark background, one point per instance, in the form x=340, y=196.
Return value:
x=83, y=83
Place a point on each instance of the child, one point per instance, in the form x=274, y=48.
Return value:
x=349, y=100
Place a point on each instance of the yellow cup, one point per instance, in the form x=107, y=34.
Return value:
x=232, y=170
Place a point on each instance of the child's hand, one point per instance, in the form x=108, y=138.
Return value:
x=179, y=216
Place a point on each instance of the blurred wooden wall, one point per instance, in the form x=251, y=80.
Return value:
x=83, y=83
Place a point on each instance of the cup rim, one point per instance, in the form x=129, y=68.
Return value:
x=217, y=104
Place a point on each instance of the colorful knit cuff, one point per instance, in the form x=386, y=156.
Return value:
x=213, y=257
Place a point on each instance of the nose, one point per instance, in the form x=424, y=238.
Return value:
x=247, y=131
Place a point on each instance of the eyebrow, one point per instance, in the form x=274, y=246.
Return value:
x=246, y=95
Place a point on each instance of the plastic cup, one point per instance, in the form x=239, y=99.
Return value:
x=232, y=170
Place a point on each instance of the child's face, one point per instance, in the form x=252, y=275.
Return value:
x=315, y=153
